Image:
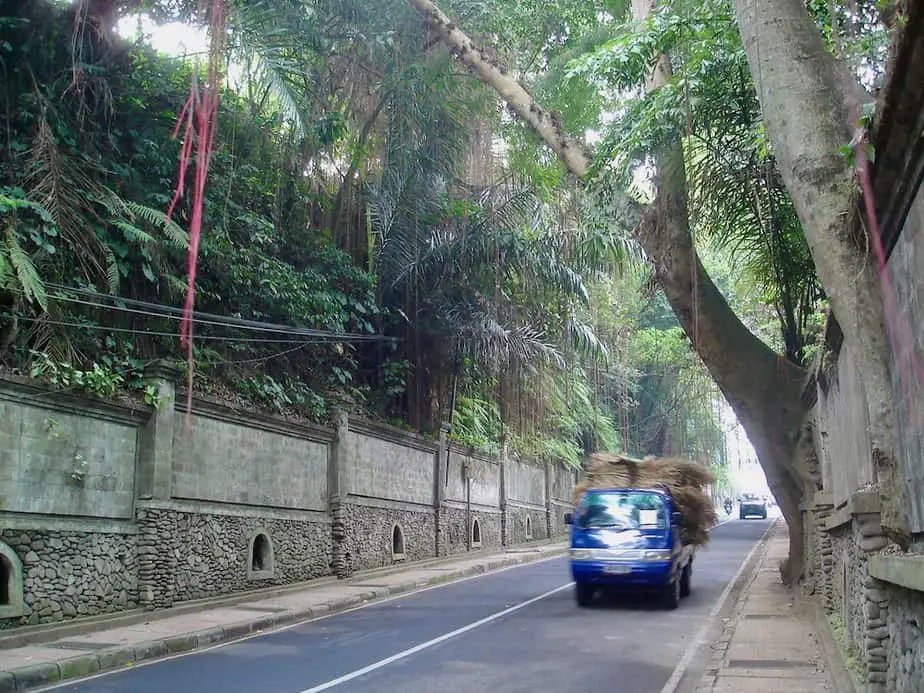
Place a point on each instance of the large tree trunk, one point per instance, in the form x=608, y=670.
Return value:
x=810, y=103
x=763, y=389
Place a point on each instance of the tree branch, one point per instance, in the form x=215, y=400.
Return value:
x=571, y=151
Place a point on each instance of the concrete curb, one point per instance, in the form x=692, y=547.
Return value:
x=718, y=648
x=842, y=678
x=48, y=632
x=34, y=676
x=706, y=661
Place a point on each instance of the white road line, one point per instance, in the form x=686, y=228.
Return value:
x=700, y=638
x=430, y=643
x=295, y=624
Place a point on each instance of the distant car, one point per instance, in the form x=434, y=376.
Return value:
x=751, y=506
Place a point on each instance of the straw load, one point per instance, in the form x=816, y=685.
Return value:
x=685, y=481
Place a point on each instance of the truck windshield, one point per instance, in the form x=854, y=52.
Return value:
x=629, y=510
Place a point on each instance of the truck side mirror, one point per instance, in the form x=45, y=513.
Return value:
x=569, y=519
x=676, y=518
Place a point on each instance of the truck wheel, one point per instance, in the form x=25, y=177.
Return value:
x=686, y=577
x=584, y=594
x=671, y=596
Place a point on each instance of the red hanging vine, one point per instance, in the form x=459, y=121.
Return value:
x=199, y=122
x=907, y=363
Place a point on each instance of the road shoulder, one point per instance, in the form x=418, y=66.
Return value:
x=112, y=648
x=769, y=638
x=696, y=659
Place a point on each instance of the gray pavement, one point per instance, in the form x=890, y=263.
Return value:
x=511, y=631
x=774, y=640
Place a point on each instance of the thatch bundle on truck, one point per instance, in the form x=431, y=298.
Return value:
x=686, y=482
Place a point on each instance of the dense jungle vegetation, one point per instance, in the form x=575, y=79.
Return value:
x=380, y=233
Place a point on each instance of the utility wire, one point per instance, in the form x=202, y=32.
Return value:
x=169, y=316
x=170, y=312
x=151, y=333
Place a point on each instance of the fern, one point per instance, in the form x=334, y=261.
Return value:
x=133, y=233
x=175, y=284
x=32, y=286
x=7, y=275
x=113, y=279
x=173, y=232
x=126, y=213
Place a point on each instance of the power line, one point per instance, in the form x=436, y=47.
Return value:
x=169, y=312
x=152, y=333
x=198, y=317
x=260, y=359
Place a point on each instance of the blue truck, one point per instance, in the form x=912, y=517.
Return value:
x=627, y=539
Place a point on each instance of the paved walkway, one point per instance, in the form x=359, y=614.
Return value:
x=114, y=646
x=774, y=639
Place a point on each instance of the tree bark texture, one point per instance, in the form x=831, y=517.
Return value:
x=809, y=102
x=763, y=389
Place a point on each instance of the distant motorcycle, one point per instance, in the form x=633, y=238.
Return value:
x=728, y=507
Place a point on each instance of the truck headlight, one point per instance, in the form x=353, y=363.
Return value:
x=658, y=555
x=582, y=554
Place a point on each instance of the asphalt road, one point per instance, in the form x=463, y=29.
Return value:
x=514, y=631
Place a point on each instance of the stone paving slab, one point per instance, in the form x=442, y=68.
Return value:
x=753, y=684
x=771, y=642
x=30, y=666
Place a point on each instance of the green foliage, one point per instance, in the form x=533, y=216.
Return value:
x=24, y=223
x=848, y=651
x=103, y=379
x=737, y=200
x=91, y=167
x=856, y=32
x=342, y=146
x=285, y=397
x=477, y=422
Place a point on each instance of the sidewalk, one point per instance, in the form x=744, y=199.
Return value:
x=774, y=640
x=115, y=646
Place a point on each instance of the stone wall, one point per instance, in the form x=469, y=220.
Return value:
x=370, y=534
x=384, y=462
x=516, y=524
x=563, y=480
x=69, y=574
x=458, y=531
x=906, y=268
x=480, y=473
x=249, y=460
x=904, y=650
x=525, y=483
x=876, y=588
x=65, y=455
x=212, y=552
x=842, y=415
x=882, y=620
x=175, y=506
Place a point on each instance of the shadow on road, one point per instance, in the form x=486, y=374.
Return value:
x=626, y=601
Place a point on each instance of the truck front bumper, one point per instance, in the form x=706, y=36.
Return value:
x=651, y=575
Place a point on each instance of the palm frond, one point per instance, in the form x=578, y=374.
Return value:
x=584, y=339
x=496, y=345
x=62, y=186
x=173, y=232
x=30, y=282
